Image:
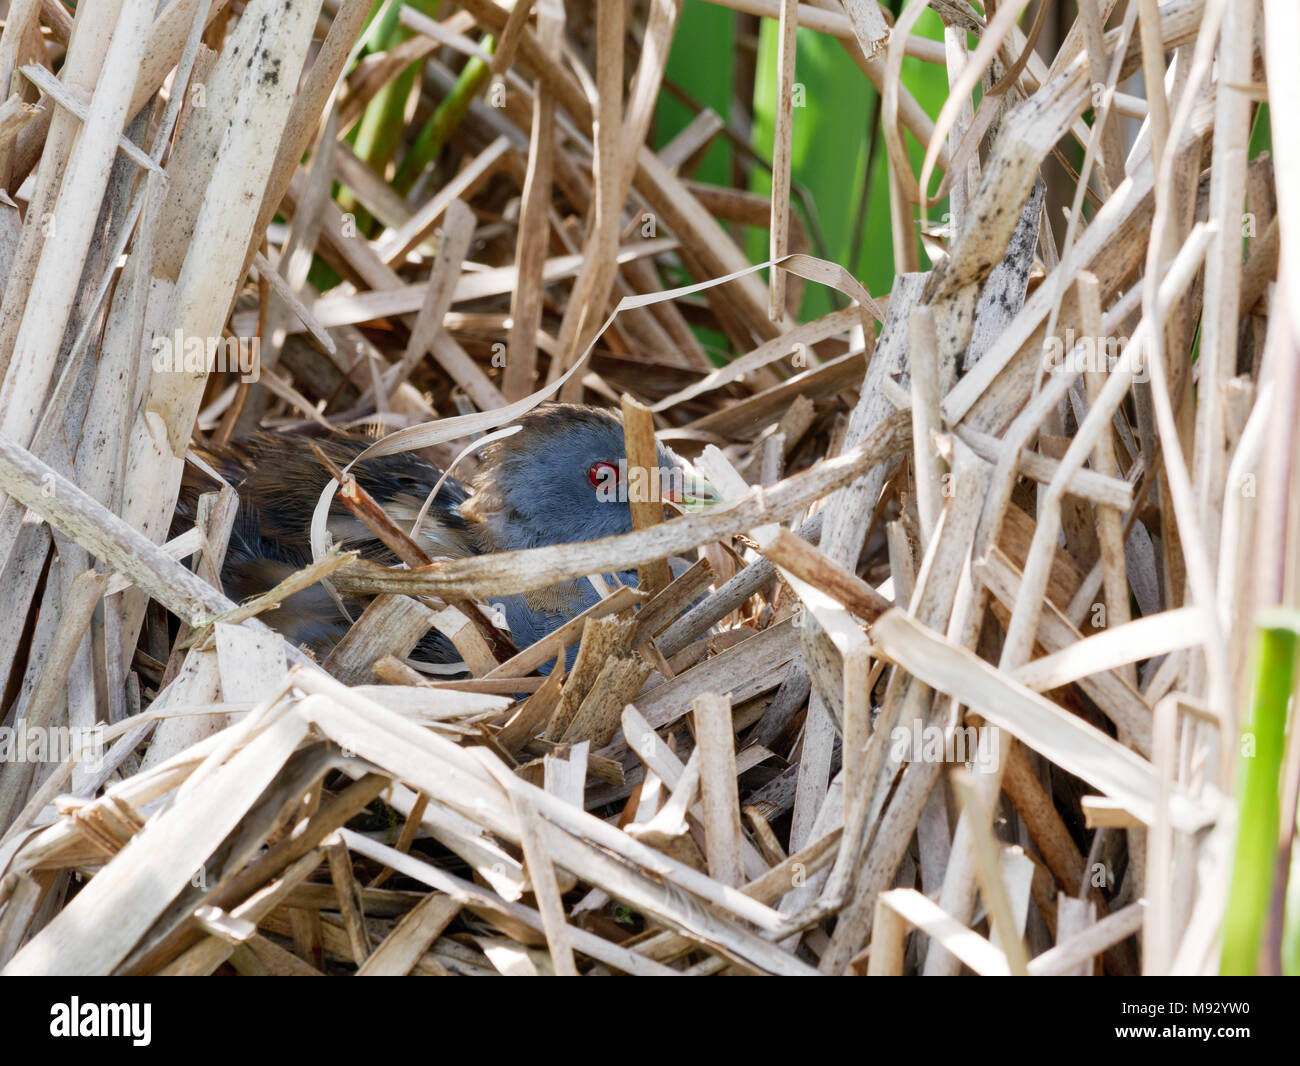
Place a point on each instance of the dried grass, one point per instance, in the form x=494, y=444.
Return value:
x=927, y=531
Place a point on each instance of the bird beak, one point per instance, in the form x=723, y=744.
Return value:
x=697, y=492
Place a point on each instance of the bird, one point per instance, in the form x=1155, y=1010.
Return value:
x=562, y=477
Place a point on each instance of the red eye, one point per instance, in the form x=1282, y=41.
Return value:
x=602, y=475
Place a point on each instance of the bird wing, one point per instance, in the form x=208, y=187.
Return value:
x=279, y=481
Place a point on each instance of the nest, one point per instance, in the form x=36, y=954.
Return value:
x=956, y=677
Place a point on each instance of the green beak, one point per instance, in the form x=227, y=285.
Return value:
x=697, y=491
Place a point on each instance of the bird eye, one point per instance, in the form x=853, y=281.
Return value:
x=602, y=475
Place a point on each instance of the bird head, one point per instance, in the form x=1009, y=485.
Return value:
x=564, y=477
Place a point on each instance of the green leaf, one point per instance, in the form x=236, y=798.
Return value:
x=830, y=147
x=700, y=62
x=1263, y=743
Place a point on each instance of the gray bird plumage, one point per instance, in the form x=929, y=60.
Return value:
x=561, y=478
